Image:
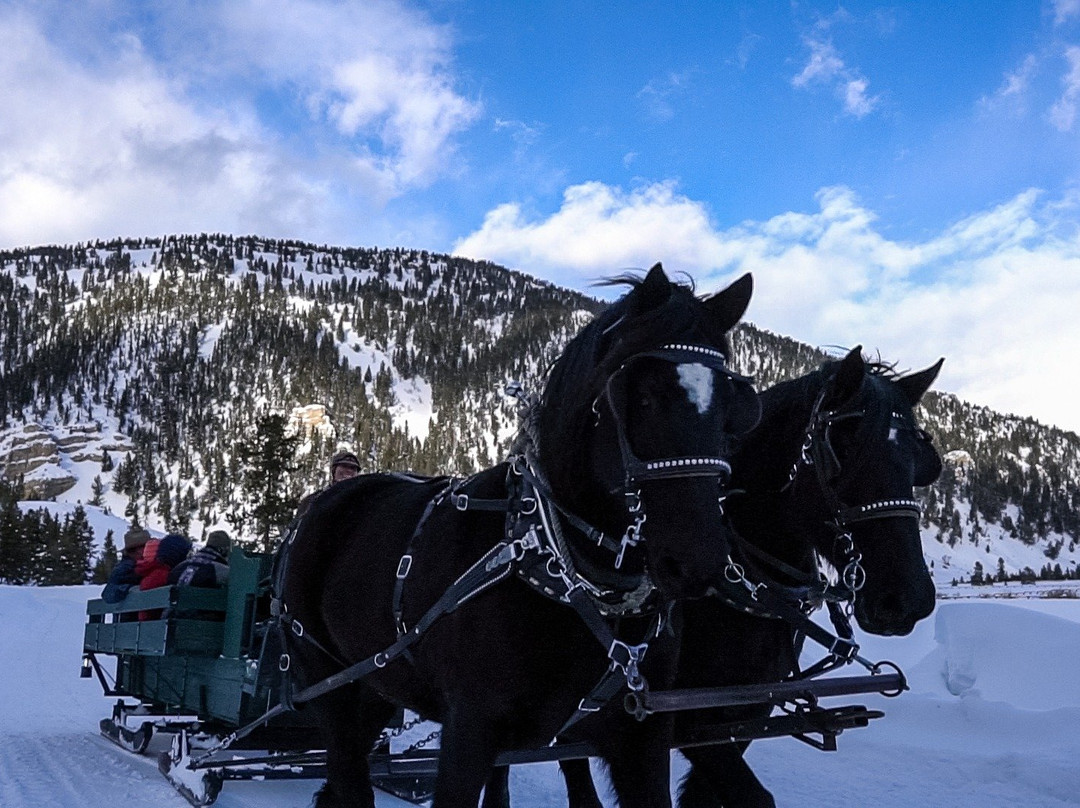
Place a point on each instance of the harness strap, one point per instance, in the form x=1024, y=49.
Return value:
x=842, y=649
x=495, y=565
x=625, y=658
x=882, y=509
x=405, y=564
x=794, y=573
x=593, y=534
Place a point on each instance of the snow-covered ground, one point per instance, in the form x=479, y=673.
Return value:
x=992, y=719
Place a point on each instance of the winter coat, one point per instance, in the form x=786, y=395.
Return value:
x=159, y=557
x=208, y=567
x=122, y=578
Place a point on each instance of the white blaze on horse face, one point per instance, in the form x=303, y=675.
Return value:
x=697, y=381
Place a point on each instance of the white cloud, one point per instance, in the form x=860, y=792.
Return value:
x=824, y=64
x=825, y=67
x=84, y=152
x=1063, y=112
x=374, y=70
x=1014, y=88
x=994, y=293
x=856, y=101
x=597, y=229
x=1064, y=10
x=103, y=135
x=658, y=95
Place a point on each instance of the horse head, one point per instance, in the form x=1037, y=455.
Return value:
x=636, y=425
x=865, y=454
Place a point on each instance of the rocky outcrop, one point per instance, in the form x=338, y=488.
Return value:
x=311, y=418
x=40, y=456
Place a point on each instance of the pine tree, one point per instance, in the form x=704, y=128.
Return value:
x=103, y=567
x=266, y=479
x=97, y=488
x=16, y=553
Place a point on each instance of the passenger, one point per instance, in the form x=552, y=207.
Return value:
x=159, y=557
x=209, y=566
x=123, y=576
x=343, y=466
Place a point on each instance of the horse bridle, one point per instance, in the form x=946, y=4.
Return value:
x=817, y=452
x=637, y=471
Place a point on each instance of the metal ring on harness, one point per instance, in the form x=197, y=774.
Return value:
x=734, y=573
x=876, y=669
x=854, y=575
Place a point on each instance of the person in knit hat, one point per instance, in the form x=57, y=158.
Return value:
x=123, y=576
x=209, y=566
x=158, y=559
x=344, y=465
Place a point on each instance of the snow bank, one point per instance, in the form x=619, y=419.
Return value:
x=1003, y=653
x=41, y=634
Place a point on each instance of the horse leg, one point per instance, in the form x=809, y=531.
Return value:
x=497, y=790
x=580, y=789
x=639, y=763
x=351, y=723
x=720, y=776
x=470, y=745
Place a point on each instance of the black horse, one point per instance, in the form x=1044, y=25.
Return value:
x=636, y=420
x=827, y=474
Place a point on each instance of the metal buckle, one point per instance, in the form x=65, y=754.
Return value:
x=631, y=538
x=461, y=501
x=583, y=709
x=632, y=654
x=843, y=649
x=404, y=566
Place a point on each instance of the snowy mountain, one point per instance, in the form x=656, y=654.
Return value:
x=137, y=377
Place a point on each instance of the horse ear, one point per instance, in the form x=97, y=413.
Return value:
x=849, y=377
x=653, y=291
x=728, y=305
x=915, y=386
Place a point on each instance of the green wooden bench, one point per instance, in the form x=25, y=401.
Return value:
x=201, y=656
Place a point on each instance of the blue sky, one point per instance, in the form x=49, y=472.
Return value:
x=905, y=176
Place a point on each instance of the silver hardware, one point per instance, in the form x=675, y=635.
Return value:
x=631, y=538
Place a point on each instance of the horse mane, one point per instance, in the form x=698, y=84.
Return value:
x=876, y=399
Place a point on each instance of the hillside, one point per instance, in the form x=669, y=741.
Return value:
x=136, y=376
